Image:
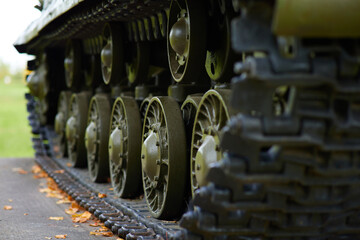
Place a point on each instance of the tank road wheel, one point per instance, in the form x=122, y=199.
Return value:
x=211, y=117
x=112, y=53
x=220, y=58
x=125, y=147
x=73, y=63
x=75, y=128
x=143, y=107
x=97, y=136
x=60, y=121
x=93, y=71
x=137, y=68
x=189, y=109
x=163, y=156
x=186, y=45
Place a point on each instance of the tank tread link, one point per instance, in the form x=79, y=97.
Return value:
x=249, y=108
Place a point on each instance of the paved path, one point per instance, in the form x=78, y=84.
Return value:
x=29, y=217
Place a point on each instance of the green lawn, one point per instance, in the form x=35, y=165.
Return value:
x=15, y=133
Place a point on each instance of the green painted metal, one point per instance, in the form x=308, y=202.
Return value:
x=52, y=10
x=317, y=18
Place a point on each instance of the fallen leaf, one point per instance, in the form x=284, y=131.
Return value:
x=36, y=169
x=44, y=190
x=81, y=218
x=105, y=234
x=47, y=237
x=54, y=195
x=59, y=171
x=94, y=224
x=56, y=148
x=41, y=175
x=56, y=218
x=19, y=170
x=76, y=225
x=111, y=189
x=71, y=211
x=101, y=195
x=62, y=201
x=25, y=214
x=69, y=164
x=8, y=207
x=10, y=200
x=74, y=208
x=61, y=236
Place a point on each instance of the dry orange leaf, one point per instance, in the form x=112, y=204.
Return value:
x=74, y=208
x=69, y=164
x=56, y=218
x=105, y=234
x=19, y=170
x=36, y=169
x=8, y=207
x=47, y=237
x=81, y=218
x=76, y=225
x=59, y=171
x=101, y=195
x=44, y=190
x=111, y=189
x=10, y=200
x=62, y=201
x=94, y=224
x=40, y=175
x=54, y=195
x=71, y=211
x=25, y=214
x=61, y=236
x=56, y=148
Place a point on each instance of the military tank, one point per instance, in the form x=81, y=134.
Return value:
x=245, y=112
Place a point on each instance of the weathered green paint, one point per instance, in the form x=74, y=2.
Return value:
x=53, y=9
x=317, y=18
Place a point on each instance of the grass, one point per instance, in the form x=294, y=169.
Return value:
x=15, y=133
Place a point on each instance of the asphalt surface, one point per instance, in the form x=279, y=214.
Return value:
x=31, y=209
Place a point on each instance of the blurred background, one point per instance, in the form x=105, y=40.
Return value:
x=15, y=135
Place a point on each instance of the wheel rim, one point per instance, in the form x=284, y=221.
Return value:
x=75, y=129
x=125, y=147
x=186, y=40
x=72, y=63
x=112, y=53
x=219, y=57
x=211, y=117
x=93, y=71
x=96, y=138
x=163, y=153
x=143, y=107
x=137, y=68
x=60, y=120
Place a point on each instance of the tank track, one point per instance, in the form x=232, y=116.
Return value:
x=145, y=21
x=292, y=176
x=129, y=219
x=291, y=164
